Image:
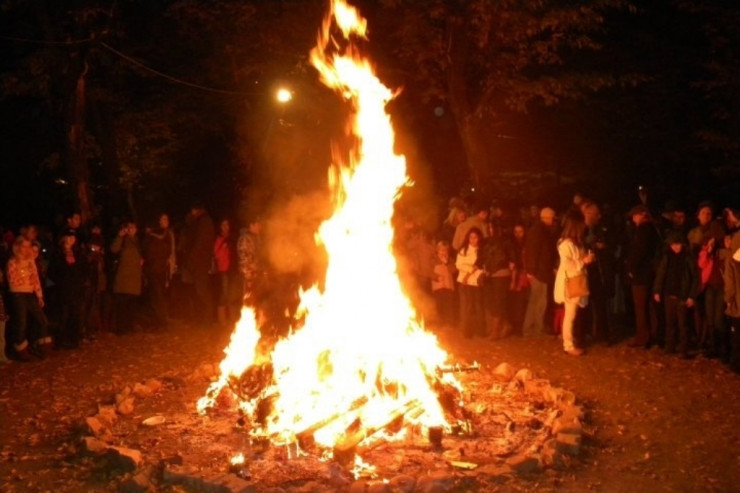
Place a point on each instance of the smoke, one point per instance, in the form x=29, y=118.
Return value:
x=290, y=233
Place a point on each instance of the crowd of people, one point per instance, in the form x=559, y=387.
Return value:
x=491, y=272
x=494, y=272
x=61, y=289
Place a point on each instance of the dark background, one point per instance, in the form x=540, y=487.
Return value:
x=178, y=103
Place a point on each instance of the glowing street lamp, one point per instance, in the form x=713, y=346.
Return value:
x=283, y=95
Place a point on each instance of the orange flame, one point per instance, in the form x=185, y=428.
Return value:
x=361, y=338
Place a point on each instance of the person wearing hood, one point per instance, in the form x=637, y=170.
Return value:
x=676, y=285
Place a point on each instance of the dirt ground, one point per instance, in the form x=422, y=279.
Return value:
x=653, y=423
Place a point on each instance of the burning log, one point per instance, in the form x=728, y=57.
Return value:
x=458, y=369
x=264, y=408
x=251, y=383
x=449, y=398
x=305, y=437
x=344, y=451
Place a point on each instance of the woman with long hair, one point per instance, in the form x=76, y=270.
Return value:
x=469, y=278
x=573, y=261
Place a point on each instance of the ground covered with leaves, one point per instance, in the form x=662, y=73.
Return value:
x=651, y=422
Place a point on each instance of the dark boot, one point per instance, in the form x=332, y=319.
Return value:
x=23, y=355
x=37, y=350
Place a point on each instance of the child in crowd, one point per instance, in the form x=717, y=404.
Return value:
x=28, y=301
x=676, y=286
x=443, y=284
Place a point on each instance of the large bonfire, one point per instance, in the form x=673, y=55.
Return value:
x=359, y=354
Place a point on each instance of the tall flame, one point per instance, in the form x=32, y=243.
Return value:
x=361, y=339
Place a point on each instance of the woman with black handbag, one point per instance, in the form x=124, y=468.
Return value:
x=571, y=283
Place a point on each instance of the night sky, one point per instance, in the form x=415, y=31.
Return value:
x=179, y=105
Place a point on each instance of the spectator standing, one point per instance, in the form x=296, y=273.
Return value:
x=711, y=286
x=158, y=245
x=519, y=289
x=600, y=273
x=198, y=254
x=539, y=263
x=455, y=217
x=224, y=255
x=498, y=264
x=443, y=284
x=641, y=258
x=676, y=286
x=478, y=220
x=469, y=279
x=128, y=277
x=708, y=229
x=573, y=261
x=27, y=300
x=68, y=273
x=97, y=299
x=251, y=260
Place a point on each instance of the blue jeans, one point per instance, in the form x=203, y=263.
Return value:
x=534, y=317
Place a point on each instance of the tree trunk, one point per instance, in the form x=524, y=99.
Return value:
x=104, y=133
x=79, y=172
x=463, y=110
x=131, y=203
x=475, y=149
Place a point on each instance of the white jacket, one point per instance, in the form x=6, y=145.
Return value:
x=468, y=273
x=571, y=265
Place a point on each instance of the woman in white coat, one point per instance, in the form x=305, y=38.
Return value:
x=573, y=261
x=469, y=278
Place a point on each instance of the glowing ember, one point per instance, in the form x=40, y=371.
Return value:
x=362, y=357
x=238, y=460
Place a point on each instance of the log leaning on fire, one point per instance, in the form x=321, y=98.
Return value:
x=305, y=437
x=344, y=450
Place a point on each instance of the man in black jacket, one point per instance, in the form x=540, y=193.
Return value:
x=643, y=253
x=539, y=263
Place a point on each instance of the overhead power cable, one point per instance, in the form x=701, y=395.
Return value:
x=172, y=78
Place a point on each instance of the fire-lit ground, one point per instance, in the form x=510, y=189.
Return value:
x=653, y=422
